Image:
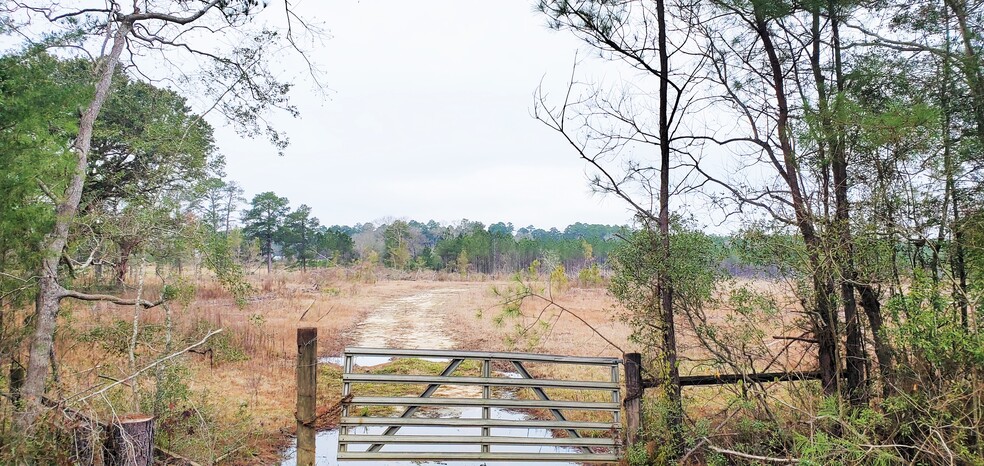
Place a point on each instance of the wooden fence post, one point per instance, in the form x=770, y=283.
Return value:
x=307, y=392
x=633, y=397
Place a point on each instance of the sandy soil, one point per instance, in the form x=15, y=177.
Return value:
x=416, y=321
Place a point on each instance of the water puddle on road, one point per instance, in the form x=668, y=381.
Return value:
x=360, y=361
x=327, y=441
x=415, y=322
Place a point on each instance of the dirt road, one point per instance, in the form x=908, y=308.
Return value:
x=415, y=321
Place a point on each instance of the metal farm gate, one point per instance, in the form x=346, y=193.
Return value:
x=482, y=422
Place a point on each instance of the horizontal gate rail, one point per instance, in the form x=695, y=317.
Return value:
x=449, y=354
x=477, y=422
x=492, y=381
x=471, y=439
x=491, y=402
x=498, y=456
x=365, y=437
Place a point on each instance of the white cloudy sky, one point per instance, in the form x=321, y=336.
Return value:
x=427, y=116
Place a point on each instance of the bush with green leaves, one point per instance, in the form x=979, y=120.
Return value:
x=590, y=276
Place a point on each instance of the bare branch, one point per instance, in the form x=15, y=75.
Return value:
x=134, y=17
x=768, y=459
x=149, y=366
x=65, y=293
x=47, y=191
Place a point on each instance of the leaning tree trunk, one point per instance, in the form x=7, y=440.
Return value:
x=50, y=291
x=825, y=325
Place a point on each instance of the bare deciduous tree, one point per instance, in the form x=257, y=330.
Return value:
x=602, y=125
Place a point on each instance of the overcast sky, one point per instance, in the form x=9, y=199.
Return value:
x=427, y=116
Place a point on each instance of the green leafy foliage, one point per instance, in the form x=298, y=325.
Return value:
x=219, y=256
x=39, y=96
x=299, y=235
x=397, y=245
x=264, y=219
x=147, y=143
x=590, y=276
x=693, y=270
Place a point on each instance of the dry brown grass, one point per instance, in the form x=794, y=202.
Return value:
x=569, y=335
x=336, y=301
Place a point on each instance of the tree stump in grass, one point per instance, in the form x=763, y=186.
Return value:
x=130, y=441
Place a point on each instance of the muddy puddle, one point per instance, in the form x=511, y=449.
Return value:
x=369, y=361
x=327, y=441
x=417, y=321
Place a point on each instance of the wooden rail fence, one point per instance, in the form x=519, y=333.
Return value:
x=636, y=384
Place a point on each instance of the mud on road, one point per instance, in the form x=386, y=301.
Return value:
x=416, y=321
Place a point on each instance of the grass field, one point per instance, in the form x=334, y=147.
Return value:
x=245, y=384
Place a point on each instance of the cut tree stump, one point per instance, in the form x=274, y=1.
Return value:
x=85, y=440
x=130, y=441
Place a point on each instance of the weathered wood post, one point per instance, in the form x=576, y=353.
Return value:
x=633, y=397
x=307, y=392
x=130, y=441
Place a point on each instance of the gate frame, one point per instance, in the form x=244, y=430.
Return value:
x=486, y=423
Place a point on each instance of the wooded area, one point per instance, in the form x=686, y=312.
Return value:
x=841, y=141
x=855, y=135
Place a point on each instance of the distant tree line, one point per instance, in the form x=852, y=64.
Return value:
x=272, y=231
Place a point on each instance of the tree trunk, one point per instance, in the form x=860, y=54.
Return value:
x=856, y=359
x=304, y=247
x=825, y=324
x=976, y=83
x=85, y=440
x=130, y=441
x=884, y=352
x=229, y=208
x=957, y=262
x=960, y=269
x=49, y=290
x=972, y=63
x=665, y=285
x=16, y=382
x=123, y=266
x=98, y=268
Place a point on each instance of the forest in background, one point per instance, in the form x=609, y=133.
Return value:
x=845, y=137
